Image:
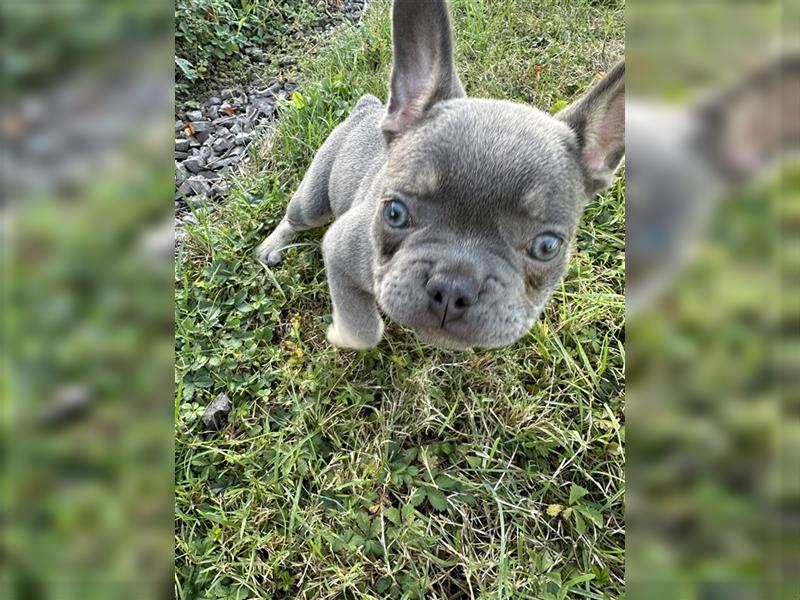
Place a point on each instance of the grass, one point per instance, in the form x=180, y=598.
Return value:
x=405, y=471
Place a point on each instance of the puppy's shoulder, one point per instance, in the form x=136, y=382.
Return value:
x=367, y=101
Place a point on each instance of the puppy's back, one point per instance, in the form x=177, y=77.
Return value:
x=359, y=155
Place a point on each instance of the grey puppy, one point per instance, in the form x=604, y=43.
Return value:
x=453, y=215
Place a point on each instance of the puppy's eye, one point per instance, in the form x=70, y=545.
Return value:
x=395, y=214
x=545, y=247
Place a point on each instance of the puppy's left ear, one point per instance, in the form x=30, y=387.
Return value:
x=598, y=120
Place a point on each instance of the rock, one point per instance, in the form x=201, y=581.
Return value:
x=179, y=125
x=224, y=122
x=227, y=93
x=264, y=106
x=219, y=188
x=182, y=145
x=205, y=153
x=181, y=155
x=199, y=185
x=213, y=100
x=194, y=164
x=221, y=163
x=194, y=115
x=216, y=414
x=221, y=145
x=242, y=139
x=202, y=129
x=210, y=175
x=286, y=61
x=272, y=88
x=181, y=174
x=256, y=53
x=212, y=111
x=184, y=190
x=290, y=86
x=69, y=403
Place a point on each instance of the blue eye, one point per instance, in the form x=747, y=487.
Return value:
x=545, y=247
x=395, y=214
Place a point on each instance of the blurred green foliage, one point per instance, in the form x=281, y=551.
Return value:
x=43, y=42
x=87, y=329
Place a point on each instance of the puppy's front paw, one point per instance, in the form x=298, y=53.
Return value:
x=340, y=338
x=267, y=254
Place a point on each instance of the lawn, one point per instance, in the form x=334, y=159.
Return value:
x=404, y=471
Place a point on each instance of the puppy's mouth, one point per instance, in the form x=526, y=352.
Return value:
x=467, y=331
x=483, y=320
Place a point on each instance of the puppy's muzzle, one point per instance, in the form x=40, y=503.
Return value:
x=450, y=297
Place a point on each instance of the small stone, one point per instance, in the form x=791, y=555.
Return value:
x=194, y=164
x=227, y=93
x=224, y=122
x=221, y=145
x=219, y=188
x=183, y=190
x=212, y=111
x=286, y=61
x=179, y=125
x=221, y=163
x=195, y=115
x=264, y=106
x=213, y=100
x=216, y=414
x=182, y=145
x=290, y=86
x=181, y=174
x=199, y=185
x=243, y=139
x=210, y=175
x=181, y=155
x=202, y=129
x=205, y=153
x=69, y=403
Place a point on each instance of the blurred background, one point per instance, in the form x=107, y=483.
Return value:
x=87, y=284
x=712, y=126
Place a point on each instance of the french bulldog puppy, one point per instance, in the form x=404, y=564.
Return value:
x=454, y=216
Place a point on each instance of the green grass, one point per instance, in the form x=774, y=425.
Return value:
x=405, y=471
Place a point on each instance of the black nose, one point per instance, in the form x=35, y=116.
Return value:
x=449, y=297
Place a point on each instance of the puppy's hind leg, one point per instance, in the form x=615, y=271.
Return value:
x=308, y=208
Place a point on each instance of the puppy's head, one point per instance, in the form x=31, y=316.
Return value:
x=480, y=199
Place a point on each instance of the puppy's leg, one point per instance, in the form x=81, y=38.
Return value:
x=310, y=206
x=356, y=322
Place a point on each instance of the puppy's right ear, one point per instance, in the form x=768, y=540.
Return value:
x=423, y=72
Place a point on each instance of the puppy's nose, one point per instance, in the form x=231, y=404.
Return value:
x=449, y=298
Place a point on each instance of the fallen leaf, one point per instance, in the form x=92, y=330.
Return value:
x=227, y=109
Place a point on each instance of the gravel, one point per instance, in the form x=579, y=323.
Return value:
x=212, y=137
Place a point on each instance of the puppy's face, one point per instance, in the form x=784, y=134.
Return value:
x=480, y=199
x=479, y=208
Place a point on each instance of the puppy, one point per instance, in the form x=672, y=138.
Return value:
x=454, y=216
